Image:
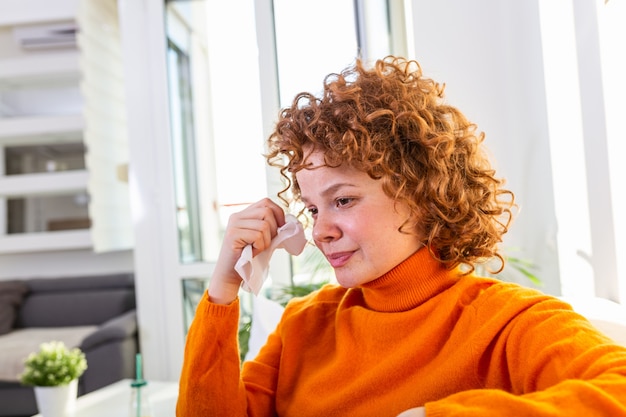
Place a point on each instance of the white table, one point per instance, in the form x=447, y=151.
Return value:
x=114, y=400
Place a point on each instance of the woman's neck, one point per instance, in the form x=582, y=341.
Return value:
x=408, y=284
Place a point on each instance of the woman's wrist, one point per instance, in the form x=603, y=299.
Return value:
x=222, y=293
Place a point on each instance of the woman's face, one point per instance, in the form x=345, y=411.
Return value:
x=356, y=225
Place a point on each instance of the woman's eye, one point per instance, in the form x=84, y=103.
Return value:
x=343, y=201
x=312, y=211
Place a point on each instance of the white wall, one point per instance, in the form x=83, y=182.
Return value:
x=488, y=53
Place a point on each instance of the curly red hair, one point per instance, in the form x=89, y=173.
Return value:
x=392, y=123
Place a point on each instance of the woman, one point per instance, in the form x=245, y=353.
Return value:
x=404, y=205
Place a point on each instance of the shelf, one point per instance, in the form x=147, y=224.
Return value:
x=19, y=12
x=33, y=130
x=45, y=241
x=43, y=183
x=23, y=72
x=41, y=105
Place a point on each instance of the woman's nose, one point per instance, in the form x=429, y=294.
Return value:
x=325, y=229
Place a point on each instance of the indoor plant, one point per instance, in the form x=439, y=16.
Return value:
x=53, y=371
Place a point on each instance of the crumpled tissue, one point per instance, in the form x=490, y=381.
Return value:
x=254, y=271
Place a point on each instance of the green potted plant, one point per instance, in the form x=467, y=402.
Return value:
x=53, y=371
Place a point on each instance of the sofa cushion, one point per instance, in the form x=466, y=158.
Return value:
x=18, y=344
x=78, y=308
x=119, y=328
x=11, y=295
x=76, y=301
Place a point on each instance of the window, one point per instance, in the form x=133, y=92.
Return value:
x=183, y=150
x=268, y=59
x=585, y=89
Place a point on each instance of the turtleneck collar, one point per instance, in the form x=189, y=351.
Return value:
x=408, y=284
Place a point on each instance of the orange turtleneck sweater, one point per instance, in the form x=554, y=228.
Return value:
x=420, y=335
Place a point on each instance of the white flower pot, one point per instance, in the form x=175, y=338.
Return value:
x=57, y=401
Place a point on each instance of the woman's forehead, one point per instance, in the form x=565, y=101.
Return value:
x=313, y=157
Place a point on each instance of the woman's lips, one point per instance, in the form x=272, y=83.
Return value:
x=339, y=259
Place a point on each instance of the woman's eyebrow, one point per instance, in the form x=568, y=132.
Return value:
x=332, y=189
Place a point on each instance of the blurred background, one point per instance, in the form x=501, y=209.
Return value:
x=131, y=129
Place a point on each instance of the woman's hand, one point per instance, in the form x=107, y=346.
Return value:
x=413, y=412
x=255, y=225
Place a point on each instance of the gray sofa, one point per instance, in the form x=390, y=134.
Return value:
x=102, y=307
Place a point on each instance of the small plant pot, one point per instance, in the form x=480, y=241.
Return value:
x=59, y=401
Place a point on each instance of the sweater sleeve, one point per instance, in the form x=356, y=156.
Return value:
x=545, y=361
x=210, y=384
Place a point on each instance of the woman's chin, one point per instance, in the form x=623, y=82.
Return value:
x=350, y=279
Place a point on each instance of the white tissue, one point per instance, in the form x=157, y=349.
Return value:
x=254, y=271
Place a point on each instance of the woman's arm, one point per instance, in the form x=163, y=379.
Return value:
x=210, y=381
x=548, y=361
